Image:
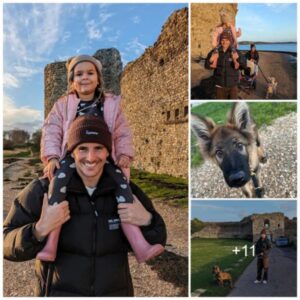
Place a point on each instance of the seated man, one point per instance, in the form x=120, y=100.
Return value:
x=226, y=74
x=92, y=251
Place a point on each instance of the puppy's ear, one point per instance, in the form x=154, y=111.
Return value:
x=239, y=116
x=202, y=128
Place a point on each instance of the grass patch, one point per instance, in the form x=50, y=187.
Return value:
x=18, y=154
x=208, y=252
x=171, y=189
x=263, y=114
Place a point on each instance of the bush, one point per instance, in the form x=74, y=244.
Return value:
x=8, y=145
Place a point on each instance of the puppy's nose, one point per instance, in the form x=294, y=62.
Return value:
x=237, y=179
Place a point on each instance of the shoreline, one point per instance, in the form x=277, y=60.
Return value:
x=272, y=51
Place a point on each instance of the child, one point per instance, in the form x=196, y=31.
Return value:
x=85, y=96
x=225, y=28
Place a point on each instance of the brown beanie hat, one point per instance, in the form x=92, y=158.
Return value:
x=73, y=61
x=89, y=129
x=225, y=35
x=263, y=231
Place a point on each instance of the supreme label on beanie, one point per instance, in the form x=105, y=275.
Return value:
x=91, y=132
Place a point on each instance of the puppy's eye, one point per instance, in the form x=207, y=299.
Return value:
x=219, y=153
x=240, y=146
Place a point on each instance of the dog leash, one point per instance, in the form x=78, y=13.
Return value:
x=258, y=189
x=263, y=73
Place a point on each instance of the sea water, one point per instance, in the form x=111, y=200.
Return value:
x=272, y=47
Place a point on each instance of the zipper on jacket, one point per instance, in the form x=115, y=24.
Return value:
x=94, y=248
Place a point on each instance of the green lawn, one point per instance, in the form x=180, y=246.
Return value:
x=208, y=252
x=170, y=189
x=263, y=113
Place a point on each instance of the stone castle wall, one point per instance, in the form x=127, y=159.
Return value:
x=154, y=89
x=155, y=100
x=205, y=17
x=248, y=228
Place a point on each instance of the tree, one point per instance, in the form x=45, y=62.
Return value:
x=18, y=136
x=36, y=141
x=196, y=225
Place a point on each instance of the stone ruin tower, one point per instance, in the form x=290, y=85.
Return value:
x=154, y=89
x=155, y=97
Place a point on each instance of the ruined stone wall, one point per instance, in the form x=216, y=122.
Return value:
x=155, y=100
x=276, y=226
x=55, y=76
x=204, y=19
x=225, y=230
x=290, y=229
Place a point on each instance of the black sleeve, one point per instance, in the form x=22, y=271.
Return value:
x=207, y=63
x=156, y=232
x=242, y=60
x=19, y=242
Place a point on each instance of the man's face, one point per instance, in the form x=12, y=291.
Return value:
x=263, y=236
x=89, y=160
x=225, y=43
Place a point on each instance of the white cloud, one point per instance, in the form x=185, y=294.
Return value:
x=10, y=81
x=94, y=32
x=135, y=46
x=136, y=19
x=114, y=38
x=26, y=72
x=66, y=36
x=22, y=117
x=104, y=16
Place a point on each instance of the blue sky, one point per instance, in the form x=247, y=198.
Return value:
x=271, y=22
x=235, y=210
x=37, y=34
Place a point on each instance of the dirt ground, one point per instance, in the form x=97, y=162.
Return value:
x=279, y=65
x=166, y=275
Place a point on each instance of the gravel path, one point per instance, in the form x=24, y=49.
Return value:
x=166, y=275
x=279, y=174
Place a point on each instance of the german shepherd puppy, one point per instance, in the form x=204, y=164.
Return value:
x=221, y=276
x=235, y=147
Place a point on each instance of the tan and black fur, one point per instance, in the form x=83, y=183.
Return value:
x=235, y=147
x=221, y=276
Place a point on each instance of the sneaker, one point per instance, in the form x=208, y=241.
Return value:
x=264, y=281
x=257, y=281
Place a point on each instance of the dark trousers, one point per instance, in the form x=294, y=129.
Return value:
x=262, y=264
x=226, y=93
x=58, y=185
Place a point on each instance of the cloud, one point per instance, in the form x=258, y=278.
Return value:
x=26, y=72
x=135, y=46
x=115, y=37
x=104, y=16
x=279, y=7
x=94, y=32
x=10, y=81
x=66, y=36
x=22, y=117
x=136, y=19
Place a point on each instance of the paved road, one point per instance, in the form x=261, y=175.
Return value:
x=282, y=277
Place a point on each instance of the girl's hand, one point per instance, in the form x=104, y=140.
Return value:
x=50, y=168
x=124, y=162
x=52, y=216
x=134, y=213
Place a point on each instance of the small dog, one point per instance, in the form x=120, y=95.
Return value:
x=221, y=277
x=271, y=87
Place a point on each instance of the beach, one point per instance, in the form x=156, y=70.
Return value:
x=280, y=65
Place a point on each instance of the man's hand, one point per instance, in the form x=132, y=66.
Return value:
x=134, y=213
x=52, y=216
x=50, y=168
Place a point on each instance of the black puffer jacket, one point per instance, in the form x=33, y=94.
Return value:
x=263, y=246
x=225, y=75
x=92, y=254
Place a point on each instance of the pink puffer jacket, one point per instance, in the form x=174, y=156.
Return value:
x=56, y=126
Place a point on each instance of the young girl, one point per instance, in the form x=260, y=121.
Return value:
x=227, y=27
x=85, y=96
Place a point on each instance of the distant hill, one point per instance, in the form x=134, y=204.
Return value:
x=261, y=43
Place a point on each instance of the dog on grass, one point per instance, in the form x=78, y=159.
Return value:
x=235, y=147
x=221, y=276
